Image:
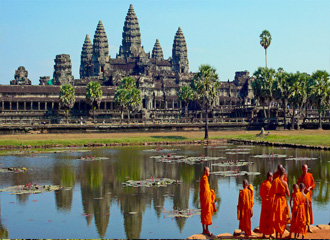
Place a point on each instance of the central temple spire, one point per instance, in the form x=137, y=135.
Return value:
x=131, y=43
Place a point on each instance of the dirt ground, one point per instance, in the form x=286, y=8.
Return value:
x=191, y=134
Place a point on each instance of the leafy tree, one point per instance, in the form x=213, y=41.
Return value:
x=263, y=86
x=186, y=94
x=127, y=96
x=67, y=98
x=321, y=92
x=297, y=94
x=281, y=90
x=265, y=40
x=207, y=90
x=94, y=95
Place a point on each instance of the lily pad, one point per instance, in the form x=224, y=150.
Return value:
x=186, y=213
x=234, y=173
x=30, y=188
x=237, y=152
x=232, y=164
x=152, y=182
x=92, y=158
x=270, y=156
x=161, y=150
x=300, y=159
x=13, y=170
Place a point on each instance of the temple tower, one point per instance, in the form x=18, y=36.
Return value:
x=180, y=53
x=21, y=77
x=131, y=43
x=63, y=70
x=86, y=58
x=157, y=51
x=100, y=50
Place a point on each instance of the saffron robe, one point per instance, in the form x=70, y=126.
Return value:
x=277, y=174
x=244, y=209
x=308, y=180
x=280, y=209
x=265, y=224
x=299, y=214
x=207, y=199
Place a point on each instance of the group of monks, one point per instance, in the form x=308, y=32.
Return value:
x=275, y=213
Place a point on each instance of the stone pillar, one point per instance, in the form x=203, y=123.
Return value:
x=10, y=105
x=24, y=105
x=38, y=106
x=166, y=105
x=46, y=106
x=180, y=102
x=53, y=106
x=173, y=103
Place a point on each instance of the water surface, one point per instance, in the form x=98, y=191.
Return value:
x=94, y=203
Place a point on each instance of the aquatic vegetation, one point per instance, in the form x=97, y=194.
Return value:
x=13, y=170
x=92, y=158
x=30, y=188
x=234, y=173
x=152, y=182
x=272, y=155
x=161, y=150
x=186, y=213
x=232, y=164
x=184, y=159
x=300, y=159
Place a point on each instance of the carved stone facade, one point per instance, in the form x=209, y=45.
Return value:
x=21, y=77
x=63, y=70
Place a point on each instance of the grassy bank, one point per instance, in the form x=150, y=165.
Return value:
x=307, y=137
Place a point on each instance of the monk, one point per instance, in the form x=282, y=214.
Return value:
x=207, y=199
x=280, y=210
x=278, y=173
x=265, y=225
x=244, y=207
x=308, y=180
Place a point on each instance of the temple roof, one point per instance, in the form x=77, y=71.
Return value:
x=157, y=51
x=100, y=42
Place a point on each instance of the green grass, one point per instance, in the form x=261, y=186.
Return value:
x=314, y=140
x=131, y=140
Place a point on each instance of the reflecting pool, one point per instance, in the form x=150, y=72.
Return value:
x=95, y=204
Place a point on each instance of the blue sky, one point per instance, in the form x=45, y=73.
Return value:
x=224, y=34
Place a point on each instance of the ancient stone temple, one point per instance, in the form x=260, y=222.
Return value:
x=63, y=70
x=179, y=53
x=131, y=42
x=21, y=77
x=158, y=78
x=157, y=51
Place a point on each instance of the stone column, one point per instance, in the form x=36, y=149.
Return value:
x=173, y=103
x=10, y=105
x=52, y=106
x=24, y=105
x=166, y=105
x=38, y=106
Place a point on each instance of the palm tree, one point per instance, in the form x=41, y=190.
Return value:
x=207, y=90
x=263, y=86
x=296, y=93
x=281, y=90
x=94, y=95
x=321, y=92
x=67, y=98
x=186, y=94
x=265, y=40
x=128, y=96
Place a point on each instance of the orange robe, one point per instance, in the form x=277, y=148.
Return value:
x=280, y=208
x=265, y=224
x=308, y=180
x=207, y=199
x=244, y=209
x=299, y=214
x=277, y=174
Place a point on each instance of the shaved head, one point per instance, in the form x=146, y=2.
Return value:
x=279, y=167
x=269, y=176
x=207, y=170
x=301, y=186
x=304, y=168
x=245, y=182
x=282, y=171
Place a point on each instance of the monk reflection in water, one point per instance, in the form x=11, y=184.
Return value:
x=244, y=207
x=207, y=200
x=280, y=208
